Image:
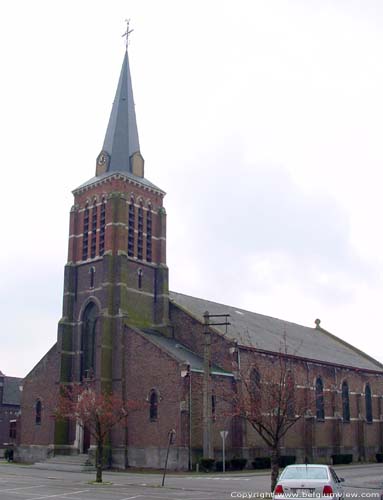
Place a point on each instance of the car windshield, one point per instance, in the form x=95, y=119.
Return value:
x=305, y=473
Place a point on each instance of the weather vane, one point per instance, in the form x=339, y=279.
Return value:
x=127, y=32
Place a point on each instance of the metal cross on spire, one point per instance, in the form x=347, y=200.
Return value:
x=127, y=32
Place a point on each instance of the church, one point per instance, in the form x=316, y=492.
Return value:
x=122, y=327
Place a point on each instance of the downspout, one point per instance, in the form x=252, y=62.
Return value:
x=190, y=420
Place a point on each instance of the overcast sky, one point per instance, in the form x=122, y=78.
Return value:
x=262, y=120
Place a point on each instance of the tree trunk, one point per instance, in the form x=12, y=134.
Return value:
x=99, y=459
x=274, y=459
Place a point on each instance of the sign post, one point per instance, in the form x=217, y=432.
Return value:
x=171, y=438
x=223, y=436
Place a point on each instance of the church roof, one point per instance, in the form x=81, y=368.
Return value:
x=265, y=333
x=181, y=352
x=121, y=138
x=11, y=390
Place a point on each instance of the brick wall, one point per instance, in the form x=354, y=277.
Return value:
x=40, y=384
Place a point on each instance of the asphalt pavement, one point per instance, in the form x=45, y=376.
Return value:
x=19, y=482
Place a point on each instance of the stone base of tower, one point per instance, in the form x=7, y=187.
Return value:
x=33, y=453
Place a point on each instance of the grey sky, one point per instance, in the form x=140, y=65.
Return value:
x=260, y=119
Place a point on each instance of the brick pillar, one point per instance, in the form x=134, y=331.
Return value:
x=309, y=430
x=360, y=431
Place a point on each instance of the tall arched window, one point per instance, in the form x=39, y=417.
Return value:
x=345, y=402
x=38, y=412
x=149, y=233
x=290, y=394
x=153, y=406
x=319, y=399
x=255, y=390
x=93, y=247
x=102, y=227
x=213, y=407
x=368, y=401
x=85, y=234
x=140, y=231
x=131, y=222
x=88, y=341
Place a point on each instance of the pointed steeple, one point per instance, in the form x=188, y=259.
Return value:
x=121, y=149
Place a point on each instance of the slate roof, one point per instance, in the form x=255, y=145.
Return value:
x=121, y=138
x=266, y=333
x=11, y=390
x=181, y=352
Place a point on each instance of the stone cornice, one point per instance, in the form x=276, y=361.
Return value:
x=118, y=176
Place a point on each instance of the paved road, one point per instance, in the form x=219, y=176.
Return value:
x=27, y=483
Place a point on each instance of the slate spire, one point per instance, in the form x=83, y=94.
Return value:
x=121, y=149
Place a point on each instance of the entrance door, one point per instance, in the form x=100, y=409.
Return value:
x=86, y=440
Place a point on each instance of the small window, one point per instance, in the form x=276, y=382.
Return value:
x=368, y=401
x=153, y=408
x=12, y=429
x=92, y=272
x=345, y=402
x=319, y=399
x=139, y=274
x=38, y=411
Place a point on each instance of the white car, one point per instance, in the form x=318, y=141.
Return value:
x=306, y=481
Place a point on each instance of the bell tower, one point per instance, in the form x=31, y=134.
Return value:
x=116, y=274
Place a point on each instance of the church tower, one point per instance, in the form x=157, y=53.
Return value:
x=116, y=275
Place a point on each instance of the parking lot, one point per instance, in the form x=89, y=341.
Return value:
x=27, y=483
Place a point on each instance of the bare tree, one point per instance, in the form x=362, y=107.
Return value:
x=98, y=412
x=268, y=400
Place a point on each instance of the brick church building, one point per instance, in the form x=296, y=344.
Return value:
x=121, y=325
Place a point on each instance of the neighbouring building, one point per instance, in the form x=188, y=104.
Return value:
x=10, y=392
x=121, y=325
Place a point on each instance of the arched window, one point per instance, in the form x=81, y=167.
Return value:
x=88, y=341
x=140, y=231
x=153, y=406
x=85, y=234
x=131, y=222
x=290, y=395
x=38, y=411
x=149, y=233
x=102, y=226
x=319, y=399
x=213, y=407
x=368, y=401
x=345, y=402
x=255, y=389
x=94, y=230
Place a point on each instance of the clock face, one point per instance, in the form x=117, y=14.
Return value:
x=103, y=159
